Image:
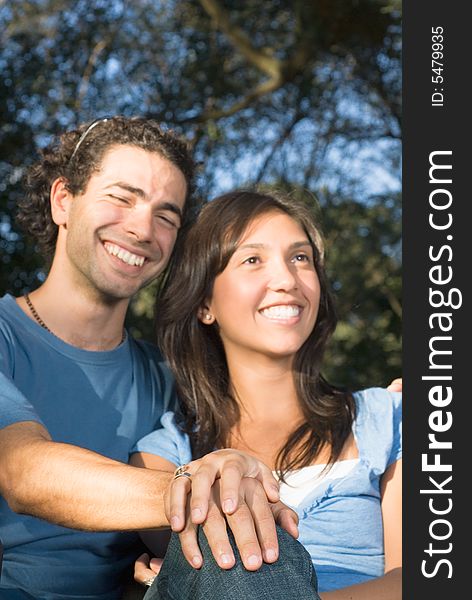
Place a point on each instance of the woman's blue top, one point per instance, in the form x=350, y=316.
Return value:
x=341, y=522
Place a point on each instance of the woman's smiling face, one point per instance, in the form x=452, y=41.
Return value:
x=266, y=300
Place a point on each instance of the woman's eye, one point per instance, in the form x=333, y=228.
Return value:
x=301, y=258
x=252, y=260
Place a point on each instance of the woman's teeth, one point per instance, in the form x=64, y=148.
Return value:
x=281, y=311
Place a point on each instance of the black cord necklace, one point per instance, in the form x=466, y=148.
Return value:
x=38, y=319
x=35, y=314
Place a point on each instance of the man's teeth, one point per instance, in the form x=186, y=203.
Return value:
x=127, y=257
x=281, y=312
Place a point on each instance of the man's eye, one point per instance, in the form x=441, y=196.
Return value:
x=120, y=199
x=168, y=221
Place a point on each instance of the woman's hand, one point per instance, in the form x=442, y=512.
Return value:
x=252, y=525
x=228, y=487
x=225, y=487
x=146, y=569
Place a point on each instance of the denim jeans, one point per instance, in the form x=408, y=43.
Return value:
x=291, y=576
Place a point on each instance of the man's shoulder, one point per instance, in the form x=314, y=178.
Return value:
x=145, y=347
x=147, y=352
x=10, y=316
x=152, y=367
x=7, y=305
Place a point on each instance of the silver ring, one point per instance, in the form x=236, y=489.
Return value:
x=182, y=472
x=149, y=581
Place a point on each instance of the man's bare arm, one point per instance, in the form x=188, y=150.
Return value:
x=75, y=487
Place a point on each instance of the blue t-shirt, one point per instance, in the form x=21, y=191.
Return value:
x=341, y=521
x=103, y=401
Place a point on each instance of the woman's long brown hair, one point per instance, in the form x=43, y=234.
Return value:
x=195, y=352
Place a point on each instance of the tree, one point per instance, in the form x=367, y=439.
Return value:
x=298, y=93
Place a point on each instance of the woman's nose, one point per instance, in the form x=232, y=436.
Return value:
x=282, y=276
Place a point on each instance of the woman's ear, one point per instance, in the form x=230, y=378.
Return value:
x=60, y=198
x=205, y=315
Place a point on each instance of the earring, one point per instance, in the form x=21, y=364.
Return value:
x=208, y=317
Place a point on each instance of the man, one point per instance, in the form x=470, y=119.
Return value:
x=77, y=392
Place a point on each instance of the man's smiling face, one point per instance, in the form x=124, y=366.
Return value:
x=121, y=231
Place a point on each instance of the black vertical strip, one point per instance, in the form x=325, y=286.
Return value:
x=437, y=270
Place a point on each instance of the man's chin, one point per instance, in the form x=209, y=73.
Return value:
x=122, y=291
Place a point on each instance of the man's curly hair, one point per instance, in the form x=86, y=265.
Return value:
x=75, y=158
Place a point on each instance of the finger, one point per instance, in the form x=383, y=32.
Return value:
x=176, y=502
x=229, y=487
x=264, y=523
x=202, y=482
x=242, y=525
x=396, y=385
x=217, y=536
x=142, y=563
x=142, y=572
x=286, y=518
x=230, y=466
x=269, y=483
x=189, y=542
x=155, y=564
x=190, y=547
x=238, y=465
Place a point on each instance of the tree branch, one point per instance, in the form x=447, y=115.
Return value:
x=279, y=142
x=393, y=301
x=279, y=71
x=261, y=59
x=91, y=63
x=262, y=89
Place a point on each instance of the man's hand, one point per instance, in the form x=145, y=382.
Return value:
x=252, y=525
x=229, y=466
x=396, y=385
x=72, y=486
x=229, y=488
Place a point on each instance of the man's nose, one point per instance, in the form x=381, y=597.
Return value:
x=139, y=223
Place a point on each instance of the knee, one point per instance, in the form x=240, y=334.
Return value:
x=291, y=576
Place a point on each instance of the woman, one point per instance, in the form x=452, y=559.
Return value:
x=245, y=342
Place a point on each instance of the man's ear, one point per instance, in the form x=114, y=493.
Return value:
x=205, y=315
x=61, y=199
